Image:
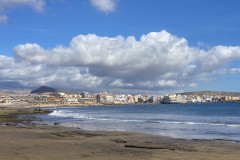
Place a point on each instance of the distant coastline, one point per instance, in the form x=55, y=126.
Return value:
x=50, y=97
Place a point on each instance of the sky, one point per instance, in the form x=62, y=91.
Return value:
x=121, y=46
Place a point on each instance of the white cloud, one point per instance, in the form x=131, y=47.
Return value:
x=158, y=61
x=119, y=83
x=105, y=5
x=37, y=5
x=3, y=19
x=159, y=85
x=193, y=85
x=156, y=54
x=41, y=74
x=169, y=83
x=235, y=70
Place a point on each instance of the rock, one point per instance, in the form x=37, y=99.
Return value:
x=37, y=110
x=10, y=124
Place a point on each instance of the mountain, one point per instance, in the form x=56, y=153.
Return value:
x=212, y=93
x=44, y=89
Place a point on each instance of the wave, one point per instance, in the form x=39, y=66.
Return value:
x=81, y=116
x=200, y=123
x=69, y=114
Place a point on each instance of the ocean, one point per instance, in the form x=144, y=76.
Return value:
x=190, y=121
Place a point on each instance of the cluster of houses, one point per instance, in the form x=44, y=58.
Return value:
x=106, y=98
x=85, y=98
x=179, y=98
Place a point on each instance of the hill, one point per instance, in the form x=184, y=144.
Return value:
x=44, y=89
x=211, y=93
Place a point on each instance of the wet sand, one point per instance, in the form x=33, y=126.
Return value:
x=42, y=142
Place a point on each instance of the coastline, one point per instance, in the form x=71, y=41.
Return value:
x=54, y=142
x=32, y=141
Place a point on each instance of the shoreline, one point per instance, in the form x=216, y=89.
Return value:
x=97, y=104
x=56, y=142
x=52, y=124
x=44, y=108
x=32, y=110
x=190, y=127
x=31, y=141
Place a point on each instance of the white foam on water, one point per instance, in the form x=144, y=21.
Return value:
x=82, y=116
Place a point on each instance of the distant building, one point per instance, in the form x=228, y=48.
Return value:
x=228, y=98
x=101, y=98
x=235, y=98
x=85, y=95
x=87, y=101
x=174, y=98
x=72, y=100
x=153, y=99
x=109, y=99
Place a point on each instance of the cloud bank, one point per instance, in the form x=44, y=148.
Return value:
x=105, y=5
x=37, y=5
x=158, y=61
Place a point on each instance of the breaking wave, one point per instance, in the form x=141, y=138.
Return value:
x=82, y=116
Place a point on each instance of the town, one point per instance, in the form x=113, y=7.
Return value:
x=48, y=97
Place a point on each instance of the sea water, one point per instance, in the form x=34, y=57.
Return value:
x=206, y=120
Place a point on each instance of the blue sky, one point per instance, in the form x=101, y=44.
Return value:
x=85, y=44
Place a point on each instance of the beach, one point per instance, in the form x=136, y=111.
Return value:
x=53, y=142
x=24, y=140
